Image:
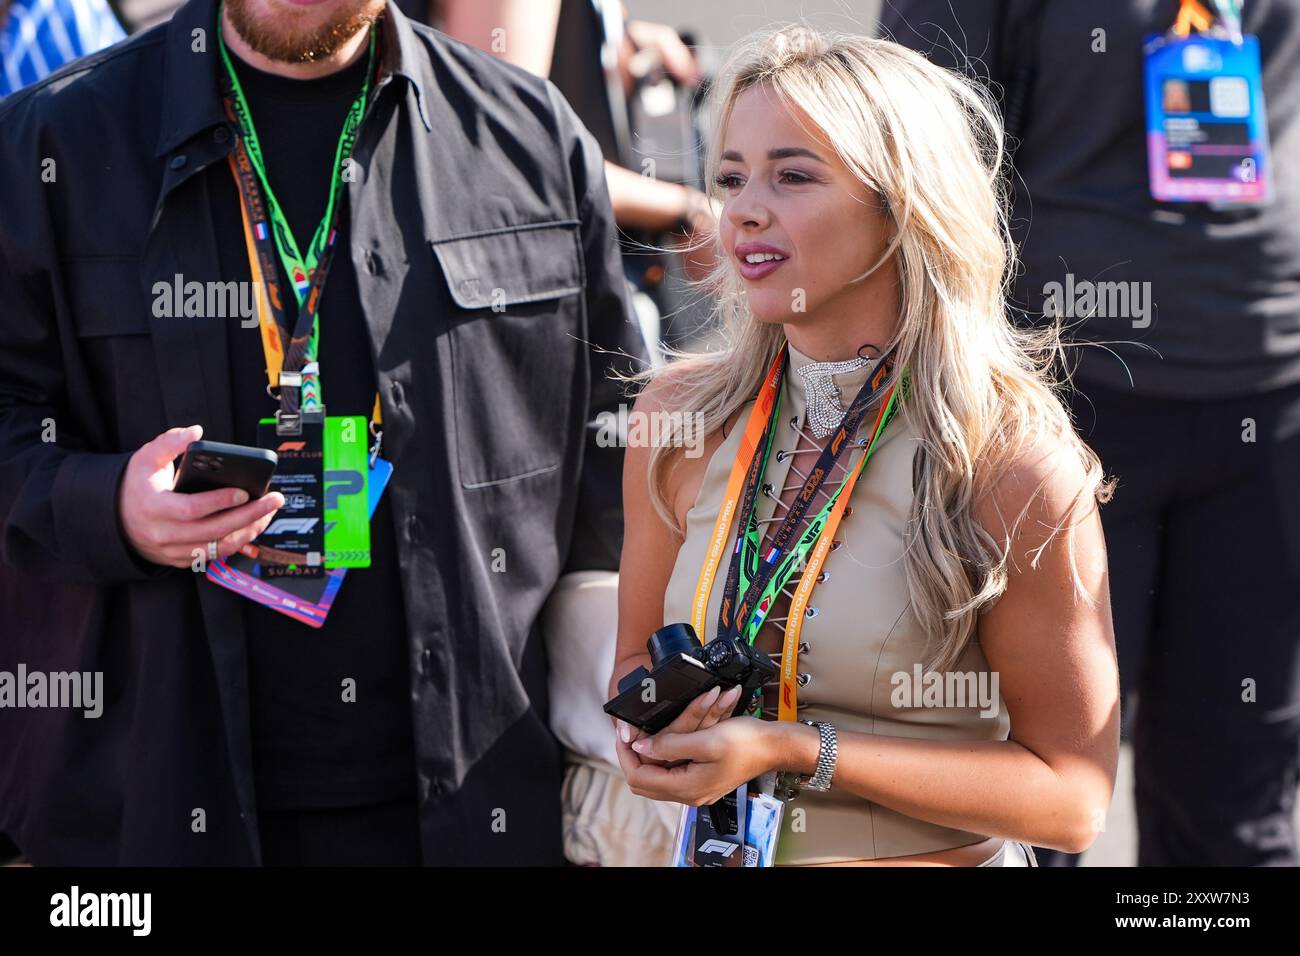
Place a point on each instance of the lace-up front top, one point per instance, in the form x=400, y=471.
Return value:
x=862, y=650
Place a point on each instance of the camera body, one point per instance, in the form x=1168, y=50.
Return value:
x=683, y=669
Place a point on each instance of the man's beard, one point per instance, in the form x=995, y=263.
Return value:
x=280, y=38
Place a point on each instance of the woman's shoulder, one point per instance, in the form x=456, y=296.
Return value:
x=1047, y=482
x=667, y=398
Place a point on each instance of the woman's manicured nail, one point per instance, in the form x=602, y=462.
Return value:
x=624, y=733
x=642, y=745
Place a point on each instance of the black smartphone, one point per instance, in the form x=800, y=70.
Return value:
x=207, y=465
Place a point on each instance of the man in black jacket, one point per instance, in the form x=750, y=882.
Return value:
x=474, y=286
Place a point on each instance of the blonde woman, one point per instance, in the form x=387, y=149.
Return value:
x=947, y=634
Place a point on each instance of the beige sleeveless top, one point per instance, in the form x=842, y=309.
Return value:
x=862, y=638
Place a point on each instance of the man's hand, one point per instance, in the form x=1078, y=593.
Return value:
x=167, y=528
x=646, y=45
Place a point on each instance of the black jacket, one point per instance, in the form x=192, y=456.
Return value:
x=477, y=185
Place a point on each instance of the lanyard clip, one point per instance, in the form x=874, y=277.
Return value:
x=288, y=423
x=378, y=443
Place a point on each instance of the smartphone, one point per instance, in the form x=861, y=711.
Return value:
x=207, y=465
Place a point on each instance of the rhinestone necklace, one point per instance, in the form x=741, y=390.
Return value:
x=825, y=411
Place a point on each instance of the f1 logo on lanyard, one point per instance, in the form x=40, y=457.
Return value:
x=1207, y=131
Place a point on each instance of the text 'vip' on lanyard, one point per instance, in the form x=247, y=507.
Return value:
x=290, y=365
x=761, y=578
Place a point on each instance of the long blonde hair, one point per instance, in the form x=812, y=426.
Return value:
x=981, y=389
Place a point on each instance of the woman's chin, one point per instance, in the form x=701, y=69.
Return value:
x=770, y=313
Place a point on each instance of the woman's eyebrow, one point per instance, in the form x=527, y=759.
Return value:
x=784, y=152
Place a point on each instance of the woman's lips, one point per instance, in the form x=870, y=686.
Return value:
x=753, y=271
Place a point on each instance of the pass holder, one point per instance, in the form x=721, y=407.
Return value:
x=306, y=600
x=697, y=844
x=293, y=544
x=1207, y=129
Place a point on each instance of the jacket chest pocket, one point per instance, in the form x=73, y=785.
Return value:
x=516, y=326
x=109, y=315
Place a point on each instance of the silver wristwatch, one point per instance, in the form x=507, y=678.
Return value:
x=821, y=778
x=789, y=784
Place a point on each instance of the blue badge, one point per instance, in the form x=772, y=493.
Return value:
x=1207, y=133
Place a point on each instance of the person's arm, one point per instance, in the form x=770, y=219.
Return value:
x=58, y=500
x=643, y=202
x=1051, y=782
x=68, y=510
x=649, y=551
x=521, y=32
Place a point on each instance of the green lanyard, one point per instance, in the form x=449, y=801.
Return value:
x=298, y=268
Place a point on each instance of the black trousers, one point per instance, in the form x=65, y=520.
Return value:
x=1203, y=541
x=382, y=835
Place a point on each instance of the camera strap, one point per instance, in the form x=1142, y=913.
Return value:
x=760, y=578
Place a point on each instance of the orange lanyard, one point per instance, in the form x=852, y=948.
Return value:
x=748, y=446
x=1192, y=13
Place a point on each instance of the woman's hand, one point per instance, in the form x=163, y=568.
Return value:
x=705, y=765
x=703, y=712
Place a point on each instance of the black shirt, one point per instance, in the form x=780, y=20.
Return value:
x=311, y=748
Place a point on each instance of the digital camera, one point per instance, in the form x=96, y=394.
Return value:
x=683, y=670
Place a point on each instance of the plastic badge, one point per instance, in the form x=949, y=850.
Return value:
x=347, y=515
x=297, y=531
x=762, y=829
x=1207, y=134
x=304, y=599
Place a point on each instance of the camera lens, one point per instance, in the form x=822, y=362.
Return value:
x=670, y=640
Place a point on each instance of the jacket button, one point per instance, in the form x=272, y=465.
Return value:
x=426, y=661
x=374, y=264
x=413, y=530
x=221, y=134
x=395, y=390
x=178, y=161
